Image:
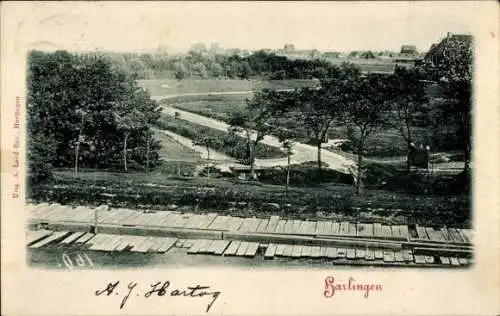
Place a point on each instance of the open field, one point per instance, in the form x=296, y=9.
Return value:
x=173, y=151
x=160, y=87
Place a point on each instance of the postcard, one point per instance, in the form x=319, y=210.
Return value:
x=250, y=158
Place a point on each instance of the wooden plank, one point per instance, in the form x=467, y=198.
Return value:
x=245, y=225
x=270, y=251
x=446, y=234
x=454, y=261
x=360, y=253
x=311, y=227
x=141, y=244
x=352, y=229
x=214, y=245
x=33, y=236
x=288, y=227
x=204, y=247
x=468, y=234
x=429, y=259
x=280, y=226
x=327, y=228
x=422, y=234
x=242, y=249
x=463, y=236
x=252, y=249
x=364, y=230
x=271, y=225
x=463, y=261
x=194, y=248
x=323, y=252
x=350, y=253
x=420, y=259
x=455, y=235
x=395, y=231
x=123, y=244
x=377, y=230
x=280, y=248
x=379, y=254
x=234, y=223
x=398, y=256
x=222, y=245
x=85, y=238
x=194, y=221
x=112, y=242
x=407, y=255
x=71, y=238
x=103, y=243
x=83, y=214
x=341, y=252
x=370, y=255
x=302, y=228
x=52, y=238
x=316, y=251
x=287, y=252
x=344, y=228
x=296, y=226
x=404, y=232
x=320, y=228
x=331, y=252
x=219, y=223
x=386, y=231
x=209, y=218
x=388, y=256
x=445, y=260
x=306, y=251
x=296, y=251
x=434, y=235
x=233, y=247
x=253, y=225
x=335, y=228
x=263, y=226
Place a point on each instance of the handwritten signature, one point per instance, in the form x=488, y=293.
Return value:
x=159, y=289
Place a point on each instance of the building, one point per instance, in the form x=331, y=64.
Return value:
x=408, y=50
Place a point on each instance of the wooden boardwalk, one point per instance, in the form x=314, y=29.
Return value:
x=268, y=238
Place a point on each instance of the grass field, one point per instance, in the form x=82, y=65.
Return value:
x=230, y=145
x=159, y=87
x=173, y=151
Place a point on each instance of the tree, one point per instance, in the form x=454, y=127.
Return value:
x=286, y=139
x=450, y=64
x=366, y=112
x=320, y=107
x=407, y=97
x=208, y=142
x=257, y=120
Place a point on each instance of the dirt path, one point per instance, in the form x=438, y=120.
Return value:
x=302, y=152
x=162, y=97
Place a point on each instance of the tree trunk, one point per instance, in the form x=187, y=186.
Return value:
x=287, y=177
x=147, y=156
x=319, y=155
x=125, y=138
x=360, y=166
x=252, y=162
x=408, y=158
x=77, y=149
x=208, y=162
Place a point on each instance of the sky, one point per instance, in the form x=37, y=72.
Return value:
x=336, y=26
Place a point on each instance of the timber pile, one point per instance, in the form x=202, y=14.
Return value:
x=242, y=236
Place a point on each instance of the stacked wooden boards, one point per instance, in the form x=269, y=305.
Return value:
x=56, y=213
x=100, y=242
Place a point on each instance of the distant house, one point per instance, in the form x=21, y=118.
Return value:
x=408, y=50
x=289, y=48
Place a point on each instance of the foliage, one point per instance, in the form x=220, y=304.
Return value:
x=69, y=95
x=228, y=143
x=450, y=64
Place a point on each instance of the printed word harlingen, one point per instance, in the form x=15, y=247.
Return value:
x=331, y=287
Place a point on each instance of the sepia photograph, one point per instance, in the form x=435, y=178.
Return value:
x=299, y=155
x=293, y=136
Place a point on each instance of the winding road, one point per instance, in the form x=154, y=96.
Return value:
x=301, y=152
